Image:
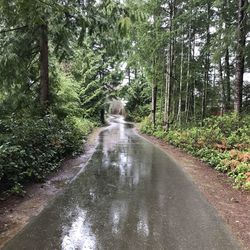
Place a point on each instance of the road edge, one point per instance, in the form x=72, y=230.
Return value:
x=232, y=205
x=16, y=212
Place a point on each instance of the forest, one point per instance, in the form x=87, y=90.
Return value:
x=180, y=67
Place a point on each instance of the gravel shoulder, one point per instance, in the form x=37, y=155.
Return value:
x=232, y=205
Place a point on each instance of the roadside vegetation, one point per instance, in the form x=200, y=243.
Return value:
x=222, y=142
x=31, y=148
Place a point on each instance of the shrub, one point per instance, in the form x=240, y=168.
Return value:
x=85, y=126
x=32, y=148
x=146, y=126
x=223, y=143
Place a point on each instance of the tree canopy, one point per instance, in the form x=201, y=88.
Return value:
x=61, y=62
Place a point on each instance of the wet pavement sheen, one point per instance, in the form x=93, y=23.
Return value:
x=131, y=196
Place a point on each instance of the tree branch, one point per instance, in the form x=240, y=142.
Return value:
x=13, y=29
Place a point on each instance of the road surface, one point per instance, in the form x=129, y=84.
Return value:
x=130, y=196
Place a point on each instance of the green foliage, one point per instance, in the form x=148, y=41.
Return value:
x=146, y=126
x=138, y=101
x=223, y=143
x=239, y=174
x=83, y=125
x=31, y=148
x=67, y=100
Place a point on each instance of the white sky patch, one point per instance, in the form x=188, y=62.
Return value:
x=212, y=29
x=124, y=82
x=247, y=77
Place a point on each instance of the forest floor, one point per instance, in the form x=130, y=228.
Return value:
x=233, y=205
x=16, y=211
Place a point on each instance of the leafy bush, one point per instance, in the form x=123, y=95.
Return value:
x=83, y=125
x=138, y=114
x=32, y=148
x=146, y=126
x=223, y=142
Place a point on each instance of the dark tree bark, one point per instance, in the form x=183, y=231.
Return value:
x=173, y=69
x=222, y=89
x=227, y=80
x=154, y=95
x=154, y=102
x=136, y=73
x=129, y=76
x=240, y=54
x=102, y=116
x=162, y=98
x=226, y=17
x=44, y=66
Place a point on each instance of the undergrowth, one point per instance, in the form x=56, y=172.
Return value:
x=31, y=148
x=222, y=142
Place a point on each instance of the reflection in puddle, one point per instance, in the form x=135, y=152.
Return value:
x=79, y=235
x=142, y=225
x=92, y=194
x=118, y=214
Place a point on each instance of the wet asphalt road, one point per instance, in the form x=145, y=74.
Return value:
x=131, y=196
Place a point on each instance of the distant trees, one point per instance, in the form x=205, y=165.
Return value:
x=192, y=54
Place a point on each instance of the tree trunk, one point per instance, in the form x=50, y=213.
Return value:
x=173, y=70
x=204, y=96
x=188, y=74
x=135, y=73
x=154, y=95
x=225, y=15
x=194, y=82
x=154, y=102
x=181, y=82
x=207, y=64
x=167, y=93
x=129, y=76
x=240, y=55
x=44, y=66
x=222, y=89
x=227, y=80
x=102, y=116
x=162, y=99
x=169, y=71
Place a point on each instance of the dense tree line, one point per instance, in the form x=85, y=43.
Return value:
x=194, y=55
